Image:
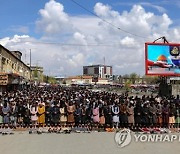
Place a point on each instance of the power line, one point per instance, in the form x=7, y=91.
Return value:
x=69, y=44
x=125, y=31
x=73, y=44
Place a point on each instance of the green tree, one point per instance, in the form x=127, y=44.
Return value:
x=125, y=78
x=150, y=79
x=127, y=85
x=35, y=73
x=44, y=78
x=133, y=77
x=51, y=80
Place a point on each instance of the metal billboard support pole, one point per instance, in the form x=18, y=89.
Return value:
x=163, y=80
x=178, y=119
x=163, y=38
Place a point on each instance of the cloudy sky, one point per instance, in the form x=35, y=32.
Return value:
x=64, y=36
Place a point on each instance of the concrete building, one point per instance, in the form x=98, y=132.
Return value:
x=37, y=73
x=83, y=79
x=60, y=79
x=101, y=71
x=13, y=71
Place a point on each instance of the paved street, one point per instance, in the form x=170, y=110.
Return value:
x=93, y=143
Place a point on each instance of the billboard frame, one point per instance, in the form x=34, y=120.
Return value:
x=146, y=58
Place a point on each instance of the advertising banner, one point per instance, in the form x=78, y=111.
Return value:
x=162, y=59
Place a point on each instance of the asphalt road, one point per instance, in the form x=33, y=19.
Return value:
x=82, y=143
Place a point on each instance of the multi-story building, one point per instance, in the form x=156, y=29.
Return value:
x=102, y=71
x=13, y=71
x=37, y=73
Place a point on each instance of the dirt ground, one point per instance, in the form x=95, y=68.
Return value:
x=82, y=143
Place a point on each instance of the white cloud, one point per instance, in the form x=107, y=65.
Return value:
x=176, y=33
x=4, y=41
x=128, y=41
x=86, y=24
x=155, y=5
x=17, y=38
x=53, y=18
x=97, y=38
x=104, y=10
x=79, y=38
x=159, y=8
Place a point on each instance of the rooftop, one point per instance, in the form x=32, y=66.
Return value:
x=83, y=77
x=98, y=65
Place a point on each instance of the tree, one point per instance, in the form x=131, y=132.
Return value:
x=125, y=77
x=44, y=78
x=150, y=79
x=35, y=73
x=127, y=85
x=133, y=77
x=51, y=80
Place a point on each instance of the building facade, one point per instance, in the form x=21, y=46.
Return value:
x=37, y=73
x=13, y=71
x=101, y=71
x=80, y=80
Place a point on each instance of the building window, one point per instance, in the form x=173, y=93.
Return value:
x=104, y=69
x=110, y=70
x=3, y=60
x=85, y=71
x=96, y=70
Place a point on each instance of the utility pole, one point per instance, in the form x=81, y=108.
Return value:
x=25, y=58
x=104, y=60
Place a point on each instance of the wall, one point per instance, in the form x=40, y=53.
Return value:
x=10, y=64
x=175, y=89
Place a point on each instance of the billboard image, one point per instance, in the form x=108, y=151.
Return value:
x=162, y=59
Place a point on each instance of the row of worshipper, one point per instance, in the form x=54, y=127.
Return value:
x=66, y=105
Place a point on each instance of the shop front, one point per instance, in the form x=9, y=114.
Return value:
x=9, y=82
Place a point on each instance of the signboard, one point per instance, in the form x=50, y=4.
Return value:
x=162, y=59
x=3, y=79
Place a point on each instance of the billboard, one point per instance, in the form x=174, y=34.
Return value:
x=162, y=59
